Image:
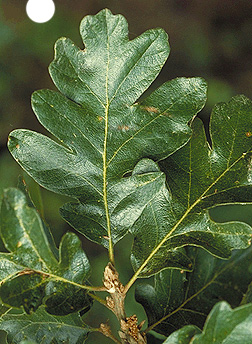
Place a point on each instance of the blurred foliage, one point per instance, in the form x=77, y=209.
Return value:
x=212, y=39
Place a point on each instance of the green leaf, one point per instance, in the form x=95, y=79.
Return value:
x=41, y=327
x=247, y=298
x=198, y=178
x=227, y=326
x=102, y=130
x=34, y=189
x=30, y=274
x=3, y=309
x=180, y=298
x=182, y=336
x=223, y=326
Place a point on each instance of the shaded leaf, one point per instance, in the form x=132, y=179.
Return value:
x=34, y=189
x=41, y=327
x=198, y=178
x=102, y=130
x=247, y=298
x=30, y=274
x=3, y=309
x=180, y=298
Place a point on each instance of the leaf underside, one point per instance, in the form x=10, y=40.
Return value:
x=30, y=274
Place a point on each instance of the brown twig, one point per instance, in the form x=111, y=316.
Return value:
x=130, y=330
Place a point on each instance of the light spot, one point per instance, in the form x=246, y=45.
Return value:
x=19, y=244
x=248, y=134
x=40, y=11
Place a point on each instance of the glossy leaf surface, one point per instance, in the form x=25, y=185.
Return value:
x=41, y=327
x=30, y=274
x=180, y=298
x=199, y=177
x=102, y=130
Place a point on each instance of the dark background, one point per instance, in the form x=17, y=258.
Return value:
x=211, y=39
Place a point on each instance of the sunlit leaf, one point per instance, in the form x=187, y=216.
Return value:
x=102, y=129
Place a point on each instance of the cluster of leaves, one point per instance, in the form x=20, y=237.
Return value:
x=133, y=166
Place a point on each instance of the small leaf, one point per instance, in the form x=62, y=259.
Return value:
x=30, y=274
x=228, y=326
x=180, y=298
x=183, y=336
x=199, y=177
x=41, y=327
x=103, y=131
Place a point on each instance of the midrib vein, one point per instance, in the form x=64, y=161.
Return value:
x=46, y=274
x=135, y=276
x=104, y=156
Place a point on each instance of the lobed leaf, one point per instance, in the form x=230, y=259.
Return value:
x=199, y=177
x=102, y=129
x=180, y=298
x=228, y=326
x=30, y=274
x=41, y=327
